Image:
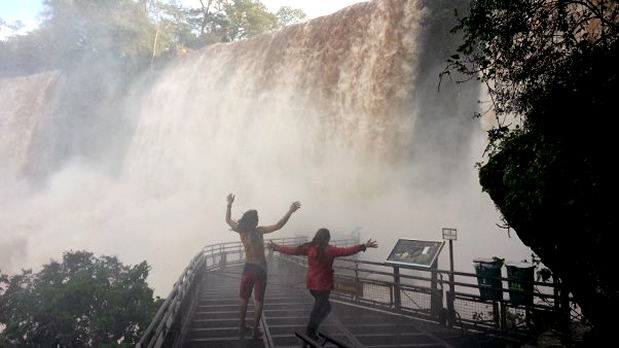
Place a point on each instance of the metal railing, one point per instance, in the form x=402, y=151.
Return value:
x=171, y=322
x=453, y=299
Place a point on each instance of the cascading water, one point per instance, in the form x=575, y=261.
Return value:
x=342, y=113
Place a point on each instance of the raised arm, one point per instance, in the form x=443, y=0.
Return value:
x=232, y=223
x=272, y=228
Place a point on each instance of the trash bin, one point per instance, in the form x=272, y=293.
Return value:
x=488, y=273
x=520, y=282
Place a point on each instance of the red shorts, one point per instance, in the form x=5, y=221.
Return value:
x=254, y=278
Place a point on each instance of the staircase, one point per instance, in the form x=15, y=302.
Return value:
x=202, y=308
x=215, y=322
x=287, y=307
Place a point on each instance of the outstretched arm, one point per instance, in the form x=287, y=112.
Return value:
x=232, y=223
x=286, y=249
x=272, y=228
x=338, y=252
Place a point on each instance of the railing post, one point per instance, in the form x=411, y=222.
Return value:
x=357, y=284
x=564, y=318
x=223, y=259
x=498, y=315
x=451, y=295
x=451, y=311
x=504, y=314
x=436, y=299
x=396, y=288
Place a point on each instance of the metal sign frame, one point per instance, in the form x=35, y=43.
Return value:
x=450, y=233
x=415, y=252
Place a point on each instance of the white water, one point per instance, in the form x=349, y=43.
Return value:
x=323, y=113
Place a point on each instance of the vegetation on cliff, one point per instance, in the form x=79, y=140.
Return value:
x=550, y=68
x=131, y=33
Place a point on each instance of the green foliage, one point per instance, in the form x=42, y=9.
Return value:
x=498, y=260
x=74, y=30
x=129, y=33
x=551, y=72
x=248, y=18
x=543, y=274
x=522, y=56
x=226, y=21
x=287, y=15
x=82, y=302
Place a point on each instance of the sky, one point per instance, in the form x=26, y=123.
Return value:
x=26, y=11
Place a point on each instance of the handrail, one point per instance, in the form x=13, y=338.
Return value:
x=171, y=322
x=402, y=289
x=406, y=290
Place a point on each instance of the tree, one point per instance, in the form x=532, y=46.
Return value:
x=128, y=34
x=82, y=302
x=6, y=28
x=73, y=31
x=248, y=18
x=287, y=15
x=551, y=72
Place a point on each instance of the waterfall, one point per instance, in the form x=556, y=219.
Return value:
x=342, y=113
x=24, y=102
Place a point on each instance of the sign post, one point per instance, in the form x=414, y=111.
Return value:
x=450, y=234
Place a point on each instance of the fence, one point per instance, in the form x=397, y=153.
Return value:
x=454, y=299
x=172, y=320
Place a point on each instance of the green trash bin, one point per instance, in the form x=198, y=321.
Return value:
x=520, y=282
x=488, y=273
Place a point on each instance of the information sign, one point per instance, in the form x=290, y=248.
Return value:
x=415, y=252
x=450, y=233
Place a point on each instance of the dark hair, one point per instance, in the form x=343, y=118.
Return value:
x=248, y=222
x=320, y=241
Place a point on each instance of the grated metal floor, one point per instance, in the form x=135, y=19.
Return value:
x=287, y=307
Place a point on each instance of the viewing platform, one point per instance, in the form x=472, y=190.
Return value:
x=373, y=305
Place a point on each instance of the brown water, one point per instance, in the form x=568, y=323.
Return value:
x=342, y=113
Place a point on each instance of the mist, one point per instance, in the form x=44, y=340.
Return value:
x=341, y=113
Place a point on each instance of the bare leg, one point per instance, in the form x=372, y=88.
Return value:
x=258, y=311
x=242, y=314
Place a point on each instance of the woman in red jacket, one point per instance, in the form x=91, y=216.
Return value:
x=320, y=256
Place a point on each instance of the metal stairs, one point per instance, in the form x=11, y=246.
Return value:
x=286, y=310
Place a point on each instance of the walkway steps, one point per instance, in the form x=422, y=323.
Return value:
x=287, y=308
x=215, y=322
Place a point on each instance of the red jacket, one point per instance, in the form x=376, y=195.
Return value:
x=320, y=270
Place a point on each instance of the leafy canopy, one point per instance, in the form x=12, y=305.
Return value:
x=551, y=72
x=134, y=33
x=83, y=301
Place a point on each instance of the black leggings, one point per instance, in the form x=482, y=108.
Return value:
x=321, y=309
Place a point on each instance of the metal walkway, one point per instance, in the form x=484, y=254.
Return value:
x=286, y=309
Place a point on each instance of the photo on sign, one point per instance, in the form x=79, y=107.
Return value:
x=415, y=252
